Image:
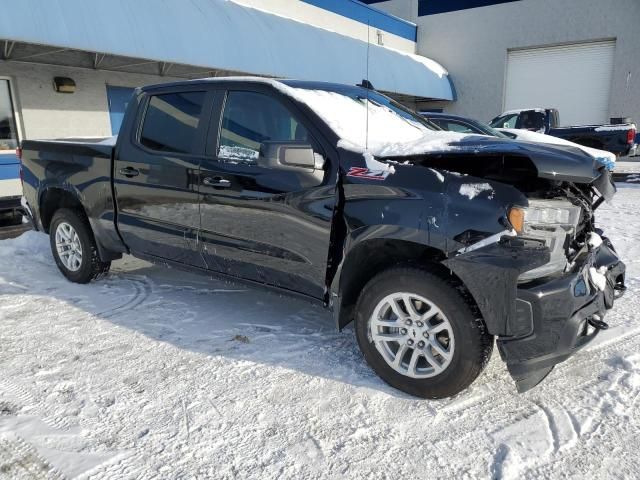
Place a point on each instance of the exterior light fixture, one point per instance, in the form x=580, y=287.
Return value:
x=64, y=85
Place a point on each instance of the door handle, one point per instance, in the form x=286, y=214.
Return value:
x=129, y=172
x=216, y=182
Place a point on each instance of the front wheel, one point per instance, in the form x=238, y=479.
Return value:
x=74, y=248
x=419, y=333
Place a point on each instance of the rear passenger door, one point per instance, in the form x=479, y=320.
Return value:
x=267, y=193
x=156, y=176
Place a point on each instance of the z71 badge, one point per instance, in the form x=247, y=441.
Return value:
x=363, y=172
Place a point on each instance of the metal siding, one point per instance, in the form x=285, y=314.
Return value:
x=575, y=79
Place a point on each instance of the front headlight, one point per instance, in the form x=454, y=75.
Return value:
x=550, y=221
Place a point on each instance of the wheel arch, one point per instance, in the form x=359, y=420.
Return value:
x=379, y=254
x=54, y=198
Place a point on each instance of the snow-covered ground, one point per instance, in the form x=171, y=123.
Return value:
x=154, y=373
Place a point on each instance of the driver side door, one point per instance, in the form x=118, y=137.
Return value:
x=266, y=194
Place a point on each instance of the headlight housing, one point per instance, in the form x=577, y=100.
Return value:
x=551, y=221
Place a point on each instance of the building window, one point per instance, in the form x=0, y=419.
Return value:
x=171, y=122
x=8, y=129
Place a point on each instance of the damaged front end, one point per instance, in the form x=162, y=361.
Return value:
x=543, y=276
x=545, y=285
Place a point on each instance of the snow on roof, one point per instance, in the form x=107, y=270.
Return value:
x=225, y=35
x=518, y=110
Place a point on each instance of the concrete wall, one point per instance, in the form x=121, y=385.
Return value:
x=43, y=113
x=322, y=18
x=472, y=45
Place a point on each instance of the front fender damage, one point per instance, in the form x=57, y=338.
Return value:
x=491, y=272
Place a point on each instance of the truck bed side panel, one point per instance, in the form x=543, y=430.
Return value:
x=84, y=170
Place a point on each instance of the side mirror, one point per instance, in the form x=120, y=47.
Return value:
x=297, y=156
x=289, y=155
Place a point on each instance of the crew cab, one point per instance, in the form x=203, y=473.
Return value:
x=434, y=243
x=618, y=139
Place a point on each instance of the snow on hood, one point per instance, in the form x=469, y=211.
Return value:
x=607, y=159
x=389, y=134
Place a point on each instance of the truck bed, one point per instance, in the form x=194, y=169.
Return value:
x=82, y=167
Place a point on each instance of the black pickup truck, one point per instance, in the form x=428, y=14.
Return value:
x=618, y=139
x=434, y=243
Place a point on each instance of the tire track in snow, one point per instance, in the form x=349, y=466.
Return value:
x=143, y=289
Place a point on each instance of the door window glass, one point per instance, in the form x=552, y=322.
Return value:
x=171, y=122
x=508, y=121
x=454, y=126
x=8, y=130
x=249, y=119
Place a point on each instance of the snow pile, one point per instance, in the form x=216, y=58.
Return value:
x=472, y=190
x=594, y=240
x=157, y=373
x=607, y=159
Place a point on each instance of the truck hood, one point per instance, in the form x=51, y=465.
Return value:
x=553, y=162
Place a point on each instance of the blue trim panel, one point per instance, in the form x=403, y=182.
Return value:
x=433, y=7
x=363, y=13
x=9, y=158
x=10, y=172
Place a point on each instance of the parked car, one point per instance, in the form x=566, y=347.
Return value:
x=460, y=124
x=617, y=139
x=435, y=244
x=10, y=186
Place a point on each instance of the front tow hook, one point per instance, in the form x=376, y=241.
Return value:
x=597, y=323
x=619, y=290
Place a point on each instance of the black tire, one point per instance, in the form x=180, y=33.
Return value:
x=91, y=267
x=473, y=345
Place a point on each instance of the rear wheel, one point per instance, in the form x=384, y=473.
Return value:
x=420, y=334
x=74, y=247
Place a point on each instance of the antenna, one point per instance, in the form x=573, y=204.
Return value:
x=367, y=84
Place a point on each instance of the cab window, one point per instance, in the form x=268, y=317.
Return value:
x=171, y=122
x=249, y=120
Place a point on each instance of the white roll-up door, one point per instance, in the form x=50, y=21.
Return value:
x=575, y=79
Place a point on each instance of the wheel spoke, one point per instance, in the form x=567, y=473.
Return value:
x=430, y=314
x=435, y=344
x=411, y=308
x=397, y=361
x=415, y=356
x=386, y=336
x=441, y=327
x=432, y=360
x=400, y=315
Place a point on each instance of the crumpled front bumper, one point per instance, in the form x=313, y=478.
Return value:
x=564, y=314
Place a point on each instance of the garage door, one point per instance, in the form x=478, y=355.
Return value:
x=575, y=79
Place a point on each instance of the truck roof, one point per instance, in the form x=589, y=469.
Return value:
x=306, y=84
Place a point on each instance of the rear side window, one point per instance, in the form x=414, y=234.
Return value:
x=251, y=118
x=171, y=122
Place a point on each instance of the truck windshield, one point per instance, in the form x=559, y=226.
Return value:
x=364, y=118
